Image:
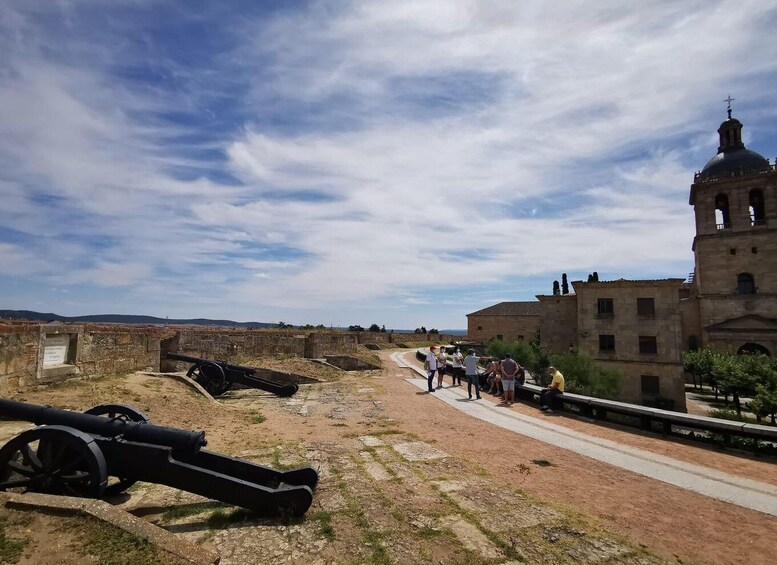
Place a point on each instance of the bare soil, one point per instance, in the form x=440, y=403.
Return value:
x=474, y=493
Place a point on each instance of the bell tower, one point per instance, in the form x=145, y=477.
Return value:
x=735, y=248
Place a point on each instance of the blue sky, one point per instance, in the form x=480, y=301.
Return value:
x=403, y=163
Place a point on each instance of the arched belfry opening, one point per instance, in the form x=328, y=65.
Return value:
x=722, y=213
x=757, y=207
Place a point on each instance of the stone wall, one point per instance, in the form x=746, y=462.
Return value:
x=391, y=338
x=318, y=345
x=671, y=382
x=19, y=345
x=32, y=354
x=558, y=326
x=482, y=327
x=231, y=345
x=104, y=350
x=36, y=353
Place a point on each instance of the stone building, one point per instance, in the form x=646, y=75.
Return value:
x=641, y=328
x=733, y=301
x=508, y=321
x=631, y=326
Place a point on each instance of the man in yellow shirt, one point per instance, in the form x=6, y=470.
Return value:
x=556, y=387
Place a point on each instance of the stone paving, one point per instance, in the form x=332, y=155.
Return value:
x=383, y=497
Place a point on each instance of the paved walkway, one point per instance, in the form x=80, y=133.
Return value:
x=709, y=482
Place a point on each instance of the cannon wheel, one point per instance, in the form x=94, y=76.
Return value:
x=53, y=460
x=120, y=412
x=210, y=377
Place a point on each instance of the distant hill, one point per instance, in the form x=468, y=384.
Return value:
x=153, y=321
x=125, y=319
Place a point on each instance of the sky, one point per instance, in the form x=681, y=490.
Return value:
x=403, y=163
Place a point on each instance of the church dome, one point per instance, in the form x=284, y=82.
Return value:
x=732, y=158
x=734, y=163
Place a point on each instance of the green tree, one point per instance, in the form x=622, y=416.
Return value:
x=434, y=331
x=374, y=328
x=764, y=403
x=699, y=364
x=518, y=350
x=541, y=359
x=355, y=328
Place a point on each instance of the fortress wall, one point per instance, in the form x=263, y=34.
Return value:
x=18, y=356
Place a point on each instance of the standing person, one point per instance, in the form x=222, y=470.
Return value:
x=509, y=371
x=471, y=370
x=556, y=387
x=441, y=366
x=457, y=363
x=431, y=367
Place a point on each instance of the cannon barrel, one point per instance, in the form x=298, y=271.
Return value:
x=196, y=360
x=142, y=432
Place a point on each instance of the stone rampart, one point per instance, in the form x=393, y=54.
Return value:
x=19, y=346
x=39, y=353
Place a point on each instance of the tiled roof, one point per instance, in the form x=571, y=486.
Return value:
x=510, y=309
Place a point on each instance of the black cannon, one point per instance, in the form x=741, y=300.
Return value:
x=217, y=377
x=109, y=447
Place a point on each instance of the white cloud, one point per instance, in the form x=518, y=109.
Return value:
x=388, y=153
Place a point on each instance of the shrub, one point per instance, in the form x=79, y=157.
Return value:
x=583, y=376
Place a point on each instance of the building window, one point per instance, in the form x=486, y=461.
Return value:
x=754, y=250
x=722, y=216
x=606, y=342
x=745, y=283
x=732, y=251
x=693, y=343
x=520, y=338
x=646, y=307
x=647, y=344
x=605, y=307
x=650, y=385
x=499, y=337
x=480, y=327
x=757, y=208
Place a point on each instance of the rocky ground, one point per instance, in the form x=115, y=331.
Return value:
x=404, y=479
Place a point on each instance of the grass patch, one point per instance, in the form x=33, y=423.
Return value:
x=112, y=546
x=325, y=528
x=10, y=548
x=542, y=463
x=184, y=510
x=258, y=418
